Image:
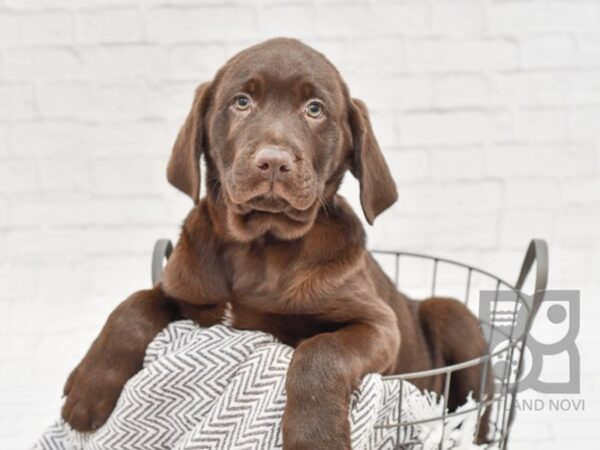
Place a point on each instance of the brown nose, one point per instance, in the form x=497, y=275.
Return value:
x=274, y=164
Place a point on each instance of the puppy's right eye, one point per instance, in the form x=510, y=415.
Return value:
x=242, y=102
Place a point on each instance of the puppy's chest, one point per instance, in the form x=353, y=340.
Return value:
x=265, y=279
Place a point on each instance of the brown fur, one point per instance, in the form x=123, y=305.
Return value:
x=286, y=254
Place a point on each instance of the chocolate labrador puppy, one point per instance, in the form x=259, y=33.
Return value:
x=274, y=245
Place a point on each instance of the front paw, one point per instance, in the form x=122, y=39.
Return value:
x=316, y=425
x=91, y=394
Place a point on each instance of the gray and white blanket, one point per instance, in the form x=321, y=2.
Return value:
x=221, y=388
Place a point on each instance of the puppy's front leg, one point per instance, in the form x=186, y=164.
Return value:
x=323, y=373
x=193, y=286
x=116, y=355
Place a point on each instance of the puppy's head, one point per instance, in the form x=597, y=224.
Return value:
x=278, y=130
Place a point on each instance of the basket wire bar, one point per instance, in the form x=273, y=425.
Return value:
x=447, y=379
x=469, y=274
x=398, y=428
x=445, y=369
x=434, y=279
x=505, y=387
x=482, y=381
x=501, y=404
x=490, y=339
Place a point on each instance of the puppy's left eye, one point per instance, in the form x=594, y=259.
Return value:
x=314, y=109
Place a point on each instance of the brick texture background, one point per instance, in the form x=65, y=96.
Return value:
x=488, y=111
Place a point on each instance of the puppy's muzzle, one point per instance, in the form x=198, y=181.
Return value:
x=274, y=164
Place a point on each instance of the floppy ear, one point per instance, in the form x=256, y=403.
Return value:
x=183, y=170
x=377, y=187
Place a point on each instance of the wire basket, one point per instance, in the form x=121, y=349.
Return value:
x=506, y=324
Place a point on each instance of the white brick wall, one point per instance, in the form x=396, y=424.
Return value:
x=488, y=110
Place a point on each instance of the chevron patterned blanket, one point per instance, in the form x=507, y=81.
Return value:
x=221, y=388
